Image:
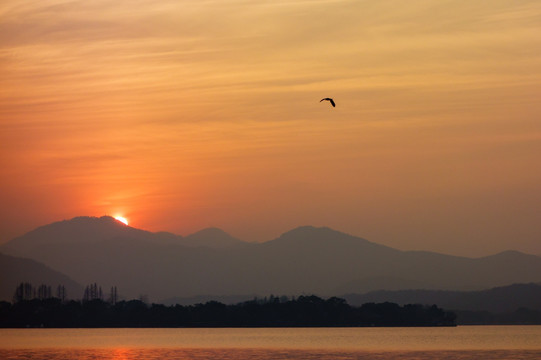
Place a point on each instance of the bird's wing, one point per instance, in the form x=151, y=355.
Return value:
x=332, y=102
x=322, y=100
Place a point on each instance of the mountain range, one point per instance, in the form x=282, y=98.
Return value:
x=305, y=260
x=500, y=299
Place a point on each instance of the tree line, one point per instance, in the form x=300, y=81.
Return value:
x=26, y=291
x=304, y=311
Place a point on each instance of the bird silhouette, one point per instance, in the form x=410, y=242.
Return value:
x=329, y=99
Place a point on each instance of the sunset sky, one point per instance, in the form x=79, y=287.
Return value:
x=186, y=114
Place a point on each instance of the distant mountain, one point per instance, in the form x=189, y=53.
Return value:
x=91, y=230
x=14, y=271
x=497, y=300
x=210, y=237
x=306, y=260
x=202, y=299
x=77, y=230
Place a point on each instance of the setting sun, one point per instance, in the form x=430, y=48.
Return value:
x=122, y=219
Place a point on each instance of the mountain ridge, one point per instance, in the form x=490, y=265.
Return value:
x=497, y=300
x=84, y=229
x=307, y=259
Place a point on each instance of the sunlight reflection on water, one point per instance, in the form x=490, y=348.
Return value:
x=259, y=354
x=365, y=339
x=481, y=342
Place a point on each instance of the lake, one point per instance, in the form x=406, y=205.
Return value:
x=462, y=342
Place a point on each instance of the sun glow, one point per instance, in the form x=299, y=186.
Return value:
x=122, y=219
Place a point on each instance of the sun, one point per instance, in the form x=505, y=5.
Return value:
x=122, y=219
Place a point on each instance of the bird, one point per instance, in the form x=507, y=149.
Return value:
x=329, y=99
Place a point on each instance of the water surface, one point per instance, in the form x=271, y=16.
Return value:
x=463, y=342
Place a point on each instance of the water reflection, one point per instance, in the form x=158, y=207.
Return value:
x=462, y=343
x=121, y=354
x=259, y=354
x=351, y=339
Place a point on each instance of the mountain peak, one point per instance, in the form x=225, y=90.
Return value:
x=81, y=229
x=309, y=230
x=317, y=234
x=211, y=237
x=509, y=255
x=105, y=219
x=326, y=240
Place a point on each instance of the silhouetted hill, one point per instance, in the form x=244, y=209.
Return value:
x=83, y=229
x=86, y=229
x=497, y=300
x=304, y=260
x=212, y=238
x=317, y=260
x=14, y=271
x=383, y=282
x=202, y=299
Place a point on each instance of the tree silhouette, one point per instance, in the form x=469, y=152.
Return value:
x=93, y=292
x=44, y=292
x=113, y=297
x=61, y=293
x=24, y=291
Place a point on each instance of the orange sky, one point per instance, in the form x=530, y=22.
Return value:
x=181, y=115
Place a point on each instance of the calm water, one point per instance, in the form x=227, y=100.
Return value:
x=463, y=342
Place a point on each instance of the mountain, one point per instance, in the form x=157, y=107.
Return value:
x=210, y=237
x=497, y=300
x=77, y=230
x=306, y=260
x=106, y=251
x=91, y=230
x=17, y=270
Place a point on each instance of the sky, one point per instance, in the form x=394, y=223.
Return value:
x=186, y=114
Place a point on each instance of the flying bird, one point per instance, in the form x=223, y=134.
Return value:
x=329, y=99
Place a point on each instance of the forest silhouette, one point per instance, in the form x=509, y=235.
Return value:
x=304, y=311
x=38, y=307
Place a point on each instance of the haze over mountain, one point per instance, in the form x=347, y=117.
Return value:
x=498, y=300
x=14, y=271
x=304, y=260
